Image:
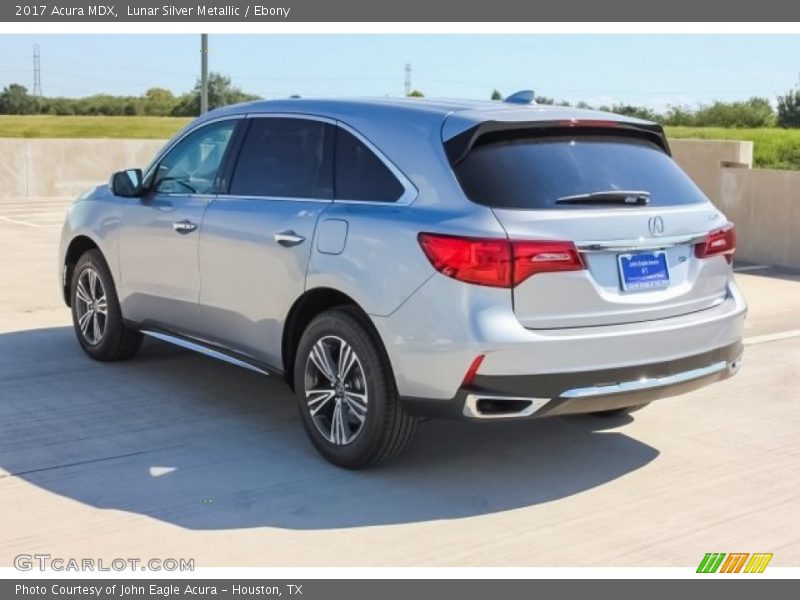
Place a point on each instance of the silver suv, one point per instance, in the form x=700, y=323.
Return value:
x=399, y=258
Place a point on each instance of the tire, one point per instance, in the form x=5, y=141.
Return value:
x=372, y=426
x=616, y=412
x=96, y=316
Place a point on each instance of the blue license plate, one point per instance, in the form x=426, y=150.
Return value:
x=643, y=271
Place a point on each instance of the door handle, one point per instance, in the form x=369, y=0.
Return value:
x=288, y=238
x=185, y=226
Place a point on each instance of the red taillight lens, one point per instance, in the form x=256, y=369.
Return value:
x=474, y=260
x=497, y=262
x=720, y=241
x=544, y=257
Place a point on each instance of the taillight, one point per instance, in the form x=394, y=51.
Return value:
x=544, y=257
x=720, y=241
x=497, y=262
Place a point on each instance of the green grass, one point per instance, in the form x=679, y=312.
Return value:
x=773, y=148
x=50, y=126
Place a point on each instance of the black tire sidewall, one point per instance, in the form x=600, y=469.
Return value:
x=379, y=382
x=114, y=323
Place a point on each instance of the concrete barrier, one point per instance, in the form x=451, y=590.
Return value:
x=764, y=204
x=66, y=167
x=702, y=160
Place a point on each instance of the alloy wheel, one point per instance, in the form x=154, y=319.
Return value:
x=91, y=306
x=336, y=390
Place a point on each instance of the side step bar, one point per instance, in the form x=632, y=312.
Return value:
x=205, y=350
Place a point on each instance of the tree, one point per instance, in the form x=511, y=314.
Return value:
x=496, y=95
x=221, y=92
x=15, y=100
x=789, y=109
x=158, y=101
x=639, y=112
x=416, y=94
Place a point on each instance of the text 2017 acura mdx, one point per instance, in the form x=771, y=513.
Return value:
x=398, y=258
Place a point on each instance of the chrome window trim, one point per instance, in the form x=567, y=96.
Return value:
x=271, y=198
x=410, y=191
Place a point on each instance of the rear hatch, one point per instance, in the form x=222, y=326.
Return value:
x=635, y=217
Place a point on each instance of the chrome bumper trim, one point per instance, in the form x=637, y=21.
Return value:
x=649, y=384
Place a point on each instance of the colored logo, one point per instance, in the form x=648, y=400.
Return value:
x=735, y=562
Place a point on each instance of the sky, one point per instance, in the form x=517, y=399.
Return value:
x=652, y=70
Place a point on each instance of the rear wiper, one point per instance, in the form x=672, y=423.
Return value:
x=627, y=197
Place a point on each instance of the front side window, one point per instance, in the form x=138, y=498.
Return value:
x=360, y=174
x=285, y=158
x=191, y=166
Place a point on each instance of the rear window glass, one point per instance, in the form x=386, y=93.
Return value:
x=533, y=173
x=360, y=175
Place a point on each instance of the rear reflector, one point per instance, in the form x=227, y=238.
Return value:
x=497, y=262
x=720, y=241
x=473, y=369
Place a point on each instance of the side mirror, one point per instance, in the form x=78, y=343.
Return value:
x=127, y=183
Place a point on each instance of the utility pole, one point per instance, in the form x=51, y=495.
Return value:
x=37, y=72
x=408, y=79
x=203, y=73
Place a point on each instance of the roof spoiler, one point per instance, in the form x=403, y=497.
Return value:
x=460, y=145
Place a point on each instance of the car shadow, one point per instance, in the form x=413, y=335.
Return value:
x=204, y=445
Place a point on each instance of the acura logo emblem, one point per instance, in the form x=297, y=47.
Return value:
x=656, y=226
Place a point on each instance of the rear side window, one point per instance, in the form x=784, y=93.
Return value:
x=285, y=158
x=533, y=173
x=360, y=174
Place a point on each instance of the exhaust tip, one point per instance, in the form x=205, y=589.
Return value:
x=478, y=406
x=735, y=365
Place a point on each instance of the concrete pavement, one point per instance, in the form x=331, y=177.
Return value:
x=175, y=455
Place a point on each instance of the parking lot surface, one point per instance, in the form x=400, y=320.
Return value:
x=175, y=455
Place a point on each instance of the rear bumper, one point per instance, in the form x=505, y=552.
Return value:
x=434, y=337
x=530, y=396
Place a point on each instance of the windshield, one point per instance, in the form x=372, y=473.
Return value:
x=533, y=173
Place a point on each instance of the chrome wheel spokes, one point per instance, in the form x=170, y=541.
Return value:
x=335, y=390
x=91, y=306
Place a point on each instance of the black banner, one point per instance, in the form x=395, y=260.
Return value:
x=418, y=589
x=406, y=11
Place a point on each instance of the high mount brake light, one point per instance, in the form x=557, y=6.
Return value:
x=588, y=123
x=497, y=262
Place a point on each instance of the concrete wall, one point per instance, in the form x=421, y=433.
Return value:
x=64, y=167
x=764, y=204
x=702, y=160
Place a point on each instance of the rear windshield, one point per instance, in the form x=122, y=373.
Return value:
x=533, y=173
